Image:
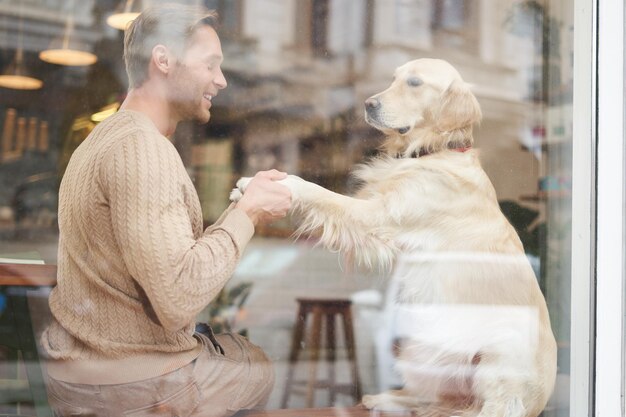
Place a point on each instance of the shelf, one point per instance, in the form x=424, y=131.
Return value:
x=545, y=195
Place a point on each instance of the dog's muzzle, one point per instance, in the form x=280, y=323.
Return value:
x=372, y=116
x=372, y=106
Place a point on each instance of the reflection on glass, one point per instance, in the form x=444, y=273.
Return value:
x=299, y=74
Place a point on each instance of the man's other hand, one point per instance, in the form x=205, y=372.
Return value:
x=264, y=199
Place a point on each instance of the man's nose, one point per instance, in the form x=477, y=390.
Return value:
x=220, y=80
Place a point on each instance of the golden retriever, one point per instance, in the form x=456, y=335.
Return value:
x=480, y=341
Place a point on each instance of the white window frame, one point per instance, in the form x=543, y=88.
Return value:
x=583, y=209
x=609, y=301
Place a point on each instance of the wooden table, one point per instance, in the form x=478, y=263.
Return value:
x=27, y=275
x=16, y=329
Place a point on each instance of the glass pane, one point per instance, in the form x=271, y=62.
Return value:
x=459, y=306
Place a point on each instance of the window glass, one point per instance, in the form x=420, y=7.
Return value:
x=299, y=74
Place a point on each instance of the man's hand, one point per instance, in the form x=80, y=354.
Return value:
x=265, y=200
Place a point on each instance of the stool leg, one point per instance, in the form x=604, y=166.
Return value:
x=315, y=346
x=296, y=345
x=350, y=345
x=330, y=343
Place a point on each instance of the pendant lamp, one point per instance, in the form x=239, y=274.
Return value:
x=105, y=112
x=126, y=12
x=66, y=53
x=15, y=76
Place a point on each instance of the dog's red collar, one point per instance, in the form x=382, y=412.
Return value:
x=462, y=149
x=424, y=152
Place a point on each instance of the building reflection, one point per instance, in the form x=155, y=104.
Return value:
x=298, y=73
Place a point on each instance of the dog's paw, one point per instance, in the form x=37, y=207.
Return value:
x=235, y=195
x=369, y=401
x=240, y=188
x=383, y=402
x=392, y=401
x=242, y=184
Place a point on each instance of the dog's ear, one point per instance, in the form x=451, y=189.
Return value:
x=458, y=109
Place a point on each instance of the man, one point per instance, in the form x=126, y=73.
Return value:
x=134, y=265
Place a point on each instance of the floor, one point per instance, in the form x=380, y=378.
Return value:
x=280, y=271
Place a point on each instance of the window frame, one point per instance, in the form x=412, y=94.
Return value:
x=583, y=379
x=608, y=379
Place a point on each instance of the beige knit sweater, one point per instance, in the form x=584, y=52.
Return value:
x=134, y=265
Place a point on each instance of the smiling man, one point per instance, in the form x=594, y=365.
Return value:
x=135, y=266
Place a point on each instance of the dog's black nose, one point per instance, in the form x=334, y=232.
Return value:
x=372, y=103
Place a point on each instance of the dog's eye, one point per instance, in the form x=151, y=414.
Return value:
x=414, y=82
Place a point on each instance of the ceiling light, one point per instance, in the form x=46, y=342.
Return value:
x=15, y=76
x=105, y=112
x=64, y=55
x=69, y=57
x=124, y=15
x=20, y=82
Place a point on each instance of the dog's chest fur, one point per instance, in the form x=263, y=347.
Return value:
x=425, y=195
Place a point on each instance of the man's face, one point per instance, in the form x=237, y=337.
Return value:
x=197, y=77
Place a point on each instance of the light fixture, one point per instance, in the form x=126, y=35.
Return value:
x=124, y=15
x=105, y=112
x=15, y=76
x=64, y=55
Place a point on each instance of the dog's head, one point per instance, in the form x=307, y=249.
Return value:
x=427, y=102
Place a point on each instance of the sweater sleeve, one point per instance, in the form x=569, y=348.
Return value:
x=143, y=178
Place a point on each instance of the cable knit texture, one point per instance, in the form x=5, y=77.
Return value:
x=134, y=265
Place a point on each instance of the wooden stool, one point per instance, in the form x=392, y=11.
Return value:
x=322, y=308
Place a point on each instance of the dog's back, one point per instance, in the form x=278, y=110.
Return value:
x=465, y=285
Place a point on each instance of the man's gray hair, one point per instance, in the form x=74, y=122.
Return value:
x=171, y=25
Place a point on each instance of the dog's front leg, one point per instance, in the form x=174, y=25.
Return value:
x=346, y=224
x=301, y=190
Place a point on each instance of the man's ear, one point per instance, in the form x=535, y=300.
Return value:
x=458, y=108
x=161, y=58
